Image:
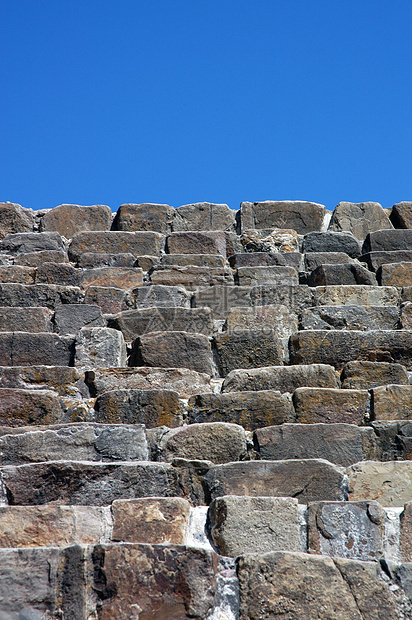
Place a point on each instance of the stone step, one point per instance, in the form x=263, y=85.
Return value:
x=213, y=261
x=61, y=379
x=63, y=274
x=32, y=320
x=367, y=375
x=401, y=215
x=389, y=483
x=220, y=298
x=312, y=260
x=395, y=274
x=69, y=319
x=363, y=318
x=24, y=349
x=205, y=216
x=277, y=319
x=15, y=219
x=20, y=243
x=376, y=259
x=300, y=216
x=355, y=295
x=117, y=242
x=110, y=300
x=296, y=297
x=116, y=277
x=191, y=276
x=247, y=349
x=388, y=241
x=266, y=259
x=68, y=220
x=47, y=295
x=93, y=260
x=272, y=275
x=19, y=407
x=36, y=259
x=282, y=378
x=17, y=274
x=332, y=242
x=318, y=404
x=343, y=274
x=152, y=408
x=138, y=217
x=100, y=347
x=159, y=295
x=359, y=218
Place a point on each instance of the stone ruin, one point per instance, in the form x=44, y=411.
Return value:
x=206, y=413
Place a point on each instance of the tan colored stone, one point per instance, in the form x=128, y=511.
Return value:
x=313, y=405
x=367, y=375
x=269, y=319
x=69, y=220
x=23, y=407
x=113, y=277
x=355, y=295
x=395, y=274
x=61, y=379
x=392, y=402
x=389, y=483
x=36, y=259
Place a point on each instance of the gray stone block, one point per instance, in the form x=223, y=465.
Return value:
x=332, y=242
x=47, y=295
x=347, y=317
x=221, y=298
x=71, y=318
x=367, y=375
x=392, y=402
x=388, y=241
x=25, y=349
x=69, y=220
x=331, y=405
x=282, y=378
x=134, y=323
x=300, y=216
x=158, y=295
x=270, y=319
x=316, y=259
x=401, y=215
x=36, y=259
x=214, y=261
x=388, y=483
x=91, y=260
x=204, y=216
x=347, y=273
x=274, y=275
x=15, y=219
x=32, y=320
x=116, y=242
x=194, y=242
x=247, y=349
x=191, y=276
x=100, y=346
x=130, y=406
x=19, y=243
x=294, y=297
x=359, y=295
x=359, y=218
x=374, y=260
x=63, y=274
x=146, y=216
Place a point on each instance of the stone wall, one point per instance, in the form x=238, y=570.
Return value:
x=206, y=413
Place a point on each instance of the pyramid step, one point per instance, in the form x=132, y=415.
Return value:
x=32, y=320
x=376, y=259
x=367, y=375
x=47, y=295
x=349, y=317
x=191, y=276
x=343, y=274
x=116, y=242
x=355, y=295
x=24, y=349
x=282, y=378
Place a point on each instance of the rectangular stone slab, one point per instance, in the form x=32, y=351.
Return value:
x=389, y=483
x=32, y=320
x=24, y=407
x=247, y=349
x=348, y=317
x=24, y=349
x=282, y=378
x=147, y=407
x=274, y=275
x=392, y=402
x=221, y=298
x=191, y=276
x=355, y=295
x=388, y=240
x=134, y=323
x=47, y=295
x=117, y=242
x=331, y=405
x=395, y=274
x=367, y=375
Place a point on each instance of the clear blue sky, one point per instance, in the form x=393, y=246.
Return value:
x=179, y=101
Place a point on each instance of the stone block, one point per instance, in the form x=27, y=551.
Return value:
x=92, y=260
x=395, y=274
x=146, y=216
x=374, y=260
x=32, y=320
x=279, y=320
x=191, y=276
x=341, y=444
x=406, y=533
x=25, y=349
x=367, y=375
x=20, y=243
x=300, y=216
x=234, y=522
x=173, y=350
x=15, y=219
x=156, y=296
x=17, y=273
x=294, y=297
x=359, y=295
x=308, y=480
x=213, y=261
x=248, y=349
x=156, y=521
x=134, y=323
x=401, y=215
x=100, y=347
x=110, y=300
x=388, y=241
x=249, y=409
x=266, y=259
x=218, y=442
x=221, y=298
x=68, y=220
x=36, y=259
x=332, y=242
x=19, y=407
x=114, y=277
x=388, y=483
x=363, y=318
x=392, y=402
x=406, y=315
x=270, y=240
x=58, y=378
x=47, y=295
x=345, y=274
x=63, y=274
x=359, y=218
x=330, y=405
x=204, y=216
x=282, y=378
x=274, y=275
x=339, y=347
x=146, y=262
x=210, y=242
x=70, y=318
x=316, y=259
x=116, y=242
x=149, y=407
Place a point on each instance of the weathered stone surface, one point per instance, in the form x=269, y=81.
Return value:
x=218, y=442
x=100, y=347
x=282, y=378
x=74, y=441
x=315, y=259
x=19, y=243
x=394, y=439
x=401, y=215
x=342, y=444
x=395, y=274
x=276, y=240
x=347, y=273
x=274, y=275
x=146, y=262
x=294, y=297
x=116, y=242
x=24, y=349
x=406, y=533
x=214, y=261
x=374, y=260
x=248, y=349
x=47, y=295
x=204, y=216
x=58, y=378
x=389, y=483
x=110, y=300
x=332, y=242
x=308, y=480
x=300, y=216
x=235, y=521
x=32, y=320
x=330, y=405
x=338, y=347
x=212, y=242
x=271, y=588
x=36, y=259
x=68, y=220
x=406, y=294
x=406, y=315
x=58, y=273
x=17, y=273
x=266, y=259
x=70, y=318
x=87, y=483
x=20, y=407
x=134, y=323
x=191, y=276
x=173, y=349
x=114, y=277
x=146, y=216
x=14, y=219
x=367, y=375
x=359, y=218
x=392, y=402
x=249, y=409
x=149, y=407
x=91, y=260
x=156, y=296
x=388, y=241
x=271, y=319
x=153, y=521
x=362, y=318
x=344, y=295
x=221, y=298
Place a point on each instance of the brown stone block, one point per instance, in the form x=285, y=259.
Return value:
x=17, y=274
x=92, y=260
x=113, y=277
x=21, y=407
x=194, y=242
x=367, y=375
x=359, y=218
x=275, y=276
x=191, y=276
x=204, y=216
x=58, y=273
x=116, y=242
x=33, y=320
x=61, y=379
x=401, y=215
x=68, y=220
x=213, y=261
x=282, y=378
x=248, y=349
x=37, y=259
x=15, y=219
x=395, y=274
x=330, y=405
x=406, y=533
x=150, y=407
x=300, y=216
x=111, y=300
x=47, y=295
x=146, y=216
x=392, y=402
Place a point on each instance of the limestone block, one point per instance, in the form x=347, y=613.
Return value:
x=249, y=409
x=210, y=242
x=47, y=295
x=19, y=243
x=149, y=407
x=221, y=298
x=68, y=220
x=146, y=216
x=274, y=275
x=146, y=262
x=359, y=218
x=110, y=300
x=342, y=444
x=362, y=318
x=270, y=240
x=308, y=480
x=247, y=349
x=294, y=297
x=316, y=259
x=25, y=349
x=239, y=525
x=401, y=215
x=160, y=520
x=32, y=320
x=332, y=242
x=406, y=533
x=158, y=295
x=374, y=260
x=100, y=347
x=213, y=261
x=345, y=295
x=395, y=274
x=58, y=378
x=204, y=216
x=116, y=242
x=92, y=260
x=266, y=259
x=173, y=350
x=367, y=375
x=392, y=402
x=58, y=273
x=277, y=319
x=406, y=315
x=388, y=483
x=300, y=216
x=36, y=259
x=388, y=241
x=330, y=405
x=191, y=276
x=17, y=273
x=344, y=274
x=70, y=318
x=15, y=219
x=20, y=407
x=114, y=277
x=282, y=378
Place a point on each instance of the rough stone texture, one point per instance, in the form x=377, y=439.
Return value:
x=24, y=349
x=86, y=483
x=388, y=241
x=58, y=378
x=332, y=242
x=63, y=274
x=341, y=295
x=20, y=243
x=36, y=259
x=47, y=295
x=153, y=521
x=218, y=442
x=271, y=588
x=389, y=483
x=374, y=260
x=158, y=295
x=147, y=216
x=116, y=277
x=116, y=242
x=221, y=298
x=214, y=261
x=235, y=521
x=266, y=259
x=401, y=215
x=269, y=319
x=14, y=219
x=33, y=320
x=395, y=274
x=294, y=297
x=20, y=407
x=300, y=216
x=17, y=273
x=330, y=405
x=362, y=318
x=315, y=259
x=406, y=533
x=342, y=444
x=100, y=347
x=213, y=242
x=367, y=375
x=134, y=323
x=308, y=480
x=406, y=315
x=149, y=407
x=282, y=378
x=347, y=273
x=346, y=529
x=68, y=220
x=110, y=300
x=173, y=349
x=338, y=347
x=204, y=216
x=249, y=349
x=392, y=402
x=249, y=409
x=274, y=275
x=91, y=260
x=359, y=218
x=276, y=240
x=394, y=438
x=71, y=318
x=191, y=276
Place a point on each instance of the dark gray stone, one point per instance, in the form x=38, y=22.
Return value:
x=32, y=320
x=36, y=259
x=248, y=349
x=332, y=242
x=221, y=298
x=19, y=243
x=58, y=273
x=367, y=375
x=152, y=408
x=315, y=259
x=25, y=349
x=388, y=241
x=158, y=295
x=47, y=295
x=297, y=215
x=294, y=297
x=134, y=323
x=15, y=219
x=362, y=318
x=70, y=318
x=214, y=261
x=204, y=216
x=374, y=260
x=116, y=242
x=91, y=260
x=401, y=215
x=347, y=273
x=194, y=242
x=359, y=218
x=272, y=275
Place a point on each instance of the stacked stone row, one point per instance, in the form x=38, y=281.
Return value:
x=221, y=397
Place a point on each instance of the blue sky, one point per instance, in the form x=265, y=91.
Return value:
x=182, y=101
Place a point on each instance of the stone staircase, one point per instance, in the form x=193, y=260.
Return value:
x=206, y=413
